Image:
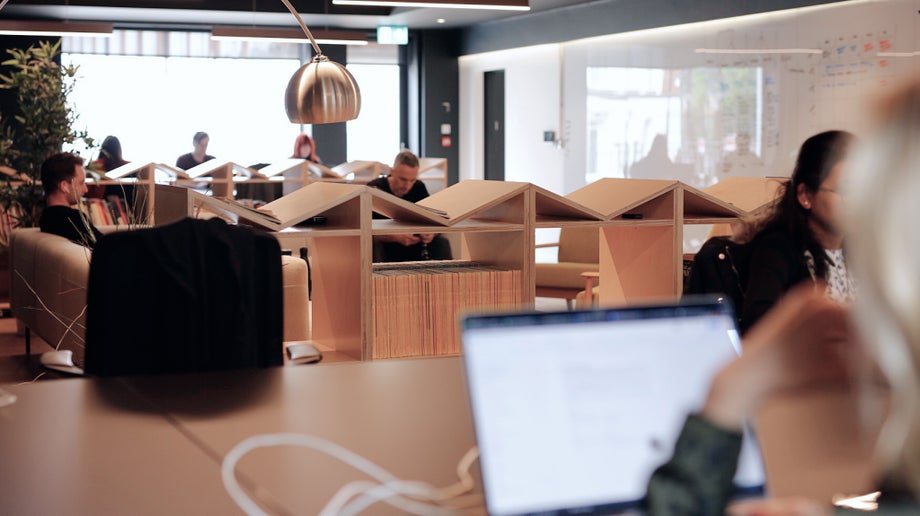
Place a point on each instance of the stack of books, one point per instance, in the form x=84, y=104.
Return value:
x=108, y=212
x=417, y=304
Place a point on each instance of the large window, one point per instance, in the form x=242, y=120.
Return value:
x=154, y=105
x=374, y=135
x=672, y=124
x=155, y=90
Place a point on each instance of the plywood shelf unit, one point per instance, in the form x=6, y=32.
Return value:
x=494, y=218
x=754, y=196
x=641, y=241
x=142, y=176
x=433, y=172
x=640, y=258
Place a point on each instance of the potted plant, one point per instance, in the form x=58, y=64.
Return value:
x=44, y=123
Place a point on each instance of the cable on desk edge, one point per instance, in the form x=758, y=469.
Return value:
x=415, y=497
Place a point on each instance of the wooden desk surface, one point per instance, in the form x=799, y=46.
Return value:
x=410, y=417
x=154, y=444
x=94, y=447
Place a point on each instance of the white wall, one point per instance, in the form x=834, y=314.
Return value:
x=532, y=97
x=803, y=94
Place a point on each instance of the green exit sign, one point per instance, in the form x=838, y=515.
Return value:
x=393, y=34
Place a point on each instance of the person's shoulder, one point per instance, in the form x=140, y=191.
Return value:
x=183, y=161
x=380, y=182
x=419, y=191
x=57, y=211
x=773, y=240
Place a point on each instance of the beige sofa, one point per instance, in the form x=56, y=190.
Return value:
x=48, y=279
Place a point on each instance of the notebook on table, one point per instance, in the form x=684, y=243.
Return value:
x=573, y=411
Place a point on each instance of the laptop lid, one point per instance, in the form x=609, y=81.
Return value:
x=573, y=411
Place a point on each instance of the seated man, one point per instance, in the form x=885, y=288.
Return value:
x=64, y=181
x=403, y=182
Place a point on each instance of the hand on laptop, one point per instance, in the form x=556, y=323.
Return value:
x=805, y=342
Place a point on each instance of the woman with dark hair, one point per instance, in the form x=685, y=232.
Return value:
x=109, y=159
x=802, y=239
x=110, y=154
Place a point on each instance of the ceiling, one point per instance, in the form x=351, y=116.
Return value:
x=191, y=14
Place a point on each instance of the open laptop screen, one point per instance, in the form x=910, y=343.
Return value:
x=573, y=411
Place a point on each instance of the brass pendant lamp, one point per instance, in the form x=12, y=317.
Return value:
x=321, y=91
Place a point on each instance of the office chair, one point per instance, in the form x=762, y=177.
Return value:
x=194, y=295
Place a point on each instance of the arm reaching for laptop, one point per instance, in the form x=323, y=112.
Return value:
x=805, y=342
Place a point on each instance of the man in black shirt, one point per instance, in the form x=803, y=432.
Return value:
x=64, y=181
x=199, y=155
x=403, y=182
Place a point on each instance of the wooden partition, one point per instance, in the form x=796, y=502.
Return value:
x=642, y=236
x=639, y=223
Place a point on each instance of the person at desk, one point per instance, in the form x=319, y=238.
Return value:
x=305, y=148
x=198, y=155
x=742, y=161
x=64, y=181
x=805, y=344
x=802, y=239
x=110, y=158
x=402, y=181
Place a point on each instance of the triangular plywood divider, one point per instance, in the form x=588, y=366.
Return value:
x=639, y=223
x=361, y=171
x=749, y=194
x=550, y=207
x=136, y=169
x=218, y=169
x=287, y=166
x=615, y=197
x=475, y=199
x=399, y=209
x=703, y=208
x=307, y=202
x=312, y=200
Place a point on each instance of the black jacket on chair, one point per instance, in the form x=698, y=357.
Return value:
x=195, y=295
x=720, y=267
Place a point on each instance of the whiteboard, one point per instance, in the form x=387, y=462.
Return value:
x=817, y=68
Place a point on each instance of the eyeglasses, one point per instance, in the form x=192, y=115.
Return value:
x=838, y=192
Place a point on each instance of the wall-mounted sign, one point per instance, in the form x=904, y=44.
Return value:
x=393, y=34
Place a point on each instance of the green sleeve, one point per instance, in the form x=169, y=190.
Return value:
x=698, y=478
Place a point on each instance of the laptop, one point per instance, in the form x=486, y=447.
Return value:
x=573, y=411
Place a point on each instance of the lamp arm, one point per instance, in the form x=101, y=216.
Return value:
x=302, y=26
x=5, y=1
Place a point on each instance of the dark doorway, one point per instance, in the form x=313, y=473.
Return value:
x=494, y=133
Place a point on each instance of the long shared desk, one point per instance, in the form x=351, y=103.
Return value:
x=154, y=445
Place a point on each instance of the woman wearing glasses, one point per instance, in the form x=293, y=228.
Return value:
x=802, y=238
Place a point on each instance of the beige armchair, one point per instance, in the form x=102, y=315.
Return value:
x=578, y=253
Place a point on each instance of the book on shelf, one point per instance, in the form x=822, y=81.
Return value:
x=416, y=305
x=118, y=209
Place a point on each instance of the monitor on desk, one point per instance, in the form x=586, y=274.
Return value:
x=573, y=411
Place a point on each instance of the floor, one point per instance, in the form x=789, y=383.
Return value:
x=16, y=367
